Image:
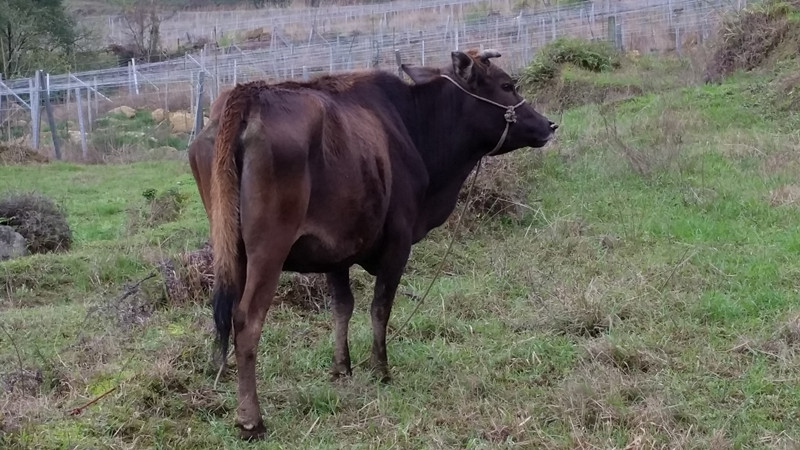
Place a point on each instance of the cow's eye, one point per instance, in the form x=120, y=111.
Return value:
x=508, y=87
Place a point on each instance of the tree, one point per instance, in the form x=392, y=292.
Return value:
x=34, y=34
x=144, y=27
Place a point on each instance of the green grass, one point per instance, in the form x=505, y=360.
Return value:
x=652, y=304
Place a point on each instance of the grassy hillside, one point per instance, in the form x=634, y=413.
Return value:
x=646, y=297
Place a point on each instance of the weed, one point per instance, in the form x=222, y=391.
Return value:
x=160, y=208
x=663, y=140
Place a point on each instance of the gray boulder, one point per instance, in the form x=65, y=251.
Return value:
x=12, y=244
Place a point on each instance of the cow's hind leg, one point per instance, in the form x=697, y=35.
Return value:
x=248, y=320
x=342, y=299
x=271, y=213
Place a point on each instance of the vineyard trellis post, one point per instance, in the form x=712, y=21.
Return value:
x=81, y=124
x=198, y=112
x=34, y=107
x=45, y=89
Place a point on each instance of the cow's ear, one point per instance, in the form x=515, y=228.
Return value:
x=462, y=65
x=420, y=75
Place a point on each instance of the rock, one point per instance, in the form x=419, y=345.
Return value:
x=19, y=123
x=12, y=244
x=158, y=115
x=126, y=111
x=181, y=121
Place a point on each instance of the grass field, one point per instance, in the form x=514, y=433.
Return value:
x=647, y=298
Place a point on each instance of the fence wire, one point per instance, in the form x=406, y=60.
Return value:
x=644, y=26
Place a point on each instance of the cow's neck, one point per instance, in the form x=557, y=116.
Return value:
x=449, y=149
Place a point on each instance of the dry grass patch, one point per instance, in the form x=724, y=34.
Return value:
x=189, y=277
x=628, y=357
x=20, y=154
x=583, y=310
x=787, y=194
x=785, y=159
x=599, y=399
x=498, y=193
x=38, y=219
x=782, y=346
x=650, y=145
x=748, y=38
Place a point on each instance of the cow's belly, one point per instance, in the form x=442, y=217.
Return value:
x=323, y=247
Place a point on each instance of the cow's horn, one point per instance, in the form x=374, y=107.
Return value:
x=488, y=53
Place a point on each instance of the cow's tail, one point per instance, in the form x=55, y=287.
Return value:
x=225, y=224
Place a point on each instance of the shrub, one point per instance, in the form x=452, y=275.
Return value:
x=158, y=209
x=164, y=207
x=595, y=56
x=38, y=219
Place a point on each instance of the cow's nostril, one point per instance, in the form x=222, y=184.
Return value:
x=553, y=126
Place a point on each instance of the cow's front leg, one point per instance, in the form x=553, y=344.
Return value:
x=391, y=268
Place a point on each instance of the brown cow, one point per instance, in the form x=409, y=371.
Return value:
x=342, y=170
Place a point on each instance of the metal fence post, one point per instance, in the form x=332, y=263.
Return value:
x=50, y=119
x=84, y=148
x=198, y=118
x=35, y=110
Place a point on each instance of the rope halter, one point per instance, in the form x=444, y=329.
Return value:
x=510, y=114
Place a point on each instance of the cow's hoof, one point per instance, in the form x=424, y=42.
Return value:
x=340, y=372
x=252, y=433
x=382, y=375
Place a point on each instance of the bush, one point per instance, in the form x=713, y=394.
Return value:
x=750, y=37
x=595, y=56
x=164, y=207
x=38, y=219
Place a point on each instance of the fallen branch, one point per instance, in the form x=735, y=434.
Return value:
x=79, y=409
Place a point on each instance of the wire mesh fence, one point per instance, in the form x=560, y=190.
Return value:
x=180, y=89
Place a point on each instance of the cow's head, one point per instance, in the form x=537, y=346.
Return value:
x=492, y=101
